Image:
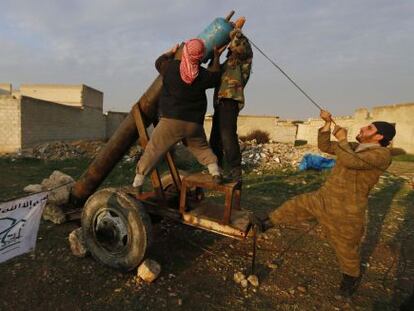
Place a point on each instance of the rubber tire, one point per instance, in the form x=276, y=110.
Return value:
x=167, y=181
x=139, y=228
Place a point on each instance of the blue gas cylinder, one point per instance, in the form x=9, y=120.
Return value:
x=216, y=34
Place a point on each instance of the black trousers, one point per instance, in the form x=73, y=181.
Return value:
x=223, y=138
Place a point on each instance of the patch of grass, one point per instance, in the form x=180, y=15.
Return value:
x=15, y=174
x=404, y=157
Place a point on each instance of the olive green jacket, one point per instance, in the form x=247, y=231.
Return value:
x=354, y=174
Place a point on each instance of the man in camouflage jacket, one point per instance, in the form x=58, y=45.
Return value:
x=228, y=101
x=340, y=204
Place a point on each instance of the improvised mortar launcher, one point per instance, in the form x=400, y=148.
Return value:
x=116, y=222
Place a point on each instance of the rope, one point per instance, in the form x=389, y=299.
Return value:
x=286, y=75
x=32, y=193
x=316, y=105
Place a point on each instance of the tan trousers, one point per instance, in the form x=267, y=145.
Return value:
x=166, y=134
x=344, y=231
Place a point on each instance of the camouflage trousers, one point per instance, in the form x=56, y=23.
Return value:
x=343, y=230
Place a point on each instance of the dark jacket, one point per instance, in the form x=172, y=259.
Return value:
x=180, y=100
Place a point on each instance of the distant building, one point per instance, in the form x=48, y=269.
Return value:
x=38, y=113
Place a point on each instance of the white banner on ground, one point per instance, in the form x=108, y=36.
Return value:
x=19, y=223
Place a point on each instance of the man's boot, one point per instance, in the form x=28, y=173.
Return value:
x=349, y=285
x=214, y=170
x=235, y=175
x=137, y=184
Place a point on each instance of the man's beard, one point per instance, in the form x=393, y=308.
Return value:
x=358, y=138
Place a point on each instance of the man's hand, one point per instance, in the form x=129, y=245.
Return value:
x=214, y=65
x=340, y=133
x=174, y=48
x=219, y=50
x=172, y=51
x=326, y=116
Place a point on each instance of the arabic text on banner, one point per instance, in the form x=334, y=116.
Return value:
x=19, y=223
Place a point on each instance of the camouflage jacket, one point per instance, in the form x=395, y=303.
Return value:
x=235, y=73
x=354, y=174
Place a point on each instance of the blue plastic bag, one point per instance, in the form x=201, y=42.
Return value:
x=316, y=162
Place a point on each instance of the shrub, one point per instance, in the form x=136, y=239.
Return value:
x=261, y=137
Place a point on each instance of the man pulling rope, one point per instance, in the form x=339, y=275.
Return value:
x=340, y=204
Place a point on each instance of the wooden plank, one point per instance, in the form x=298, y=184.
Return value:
x=208, y=216
x=216, y=227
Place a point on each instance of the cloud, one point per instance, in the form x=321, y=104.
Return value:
x=344, y=53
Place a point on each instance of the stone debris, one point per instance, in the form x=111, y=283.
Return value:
x=54, y=214
x=149, y=270
x=302, y=289
x=59, y=186
x=274, y=155
x=62, y=150
x=244, y=283
x=238, y=277
x=33, y=188
x=77, y=243
x=254, y=280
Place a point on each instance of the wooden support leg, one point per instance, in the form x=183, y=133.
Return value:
x=237, y=199
x=183, y=198
x=228, y=206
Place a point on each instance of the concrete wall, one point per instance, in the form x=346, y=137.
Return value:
x=43, y=121
x=308, y=130
x=113, y=120
x=249, y=123
x=285, y=132
x=92, y=98
x=5, y=88
x=402, y=115
x=70, y=95
x=279, y=130
x=10, y=124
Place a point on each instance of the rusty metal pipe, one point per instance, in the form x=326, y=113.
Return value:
x=117, y=146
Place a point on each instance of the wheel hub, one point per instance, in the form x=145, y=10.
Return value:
x=111, y=231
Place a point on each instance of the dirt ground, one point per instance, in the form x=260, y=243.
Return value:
x=296, y=267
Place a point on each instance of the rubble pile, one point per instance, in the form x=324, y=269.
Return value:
x=274, y=155
x=59, y=150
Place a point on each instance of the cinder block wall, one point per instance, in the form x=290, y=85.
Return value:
x=10, y=133
x=279, y=131
x=285, y=132
x=402, y=115
x=308, y=130
x=44, y=121
x=113, y=120
x=70, y=95
x=92, y=98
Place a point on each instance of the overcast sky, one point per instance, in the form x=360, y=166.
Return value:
x=345, y=54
